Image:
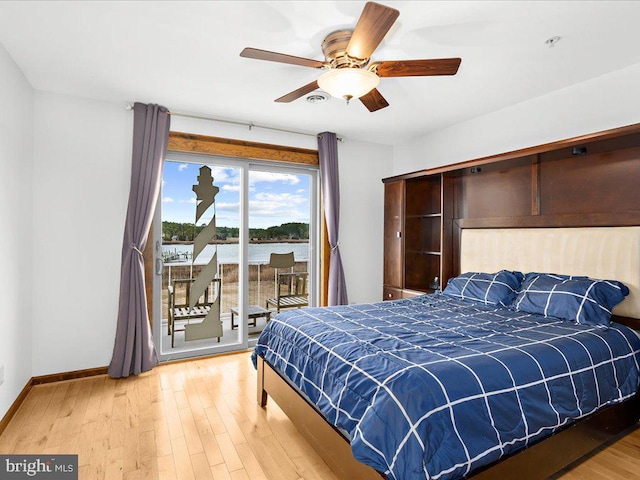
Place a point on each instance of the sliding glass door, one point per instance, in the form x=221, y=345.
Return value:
x=217, y=223
x=281, y=226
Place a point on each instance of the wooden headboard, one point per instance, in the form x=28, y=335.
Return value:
x=611, y=253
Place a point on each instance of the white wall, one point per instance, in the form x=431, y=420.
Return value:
x=82, y=158
x=602, y=103
x=82, y=162
x=16, y=166
x=362, y=168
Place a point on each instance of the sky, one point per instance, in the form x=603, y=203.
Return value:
x=274, y=198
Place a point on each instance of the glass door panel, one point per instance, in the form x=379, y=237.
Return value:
x=280, y=222
x=215, y=254
x=200, y=235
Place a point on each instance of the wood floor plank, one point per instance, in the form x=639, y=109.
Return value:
x=184, y=469
x=147, y=444
x=211, y=449
x=220, y=472
x=240, y=475
x=43, y=431
x=215, y=420
x=132, y=417
x=199, y=420
x=133, y=475
x=78, y=414
x=233, y=429
x=21, y=429
x=162, y=435
x=166, y=468
x=191, y=434
x=114, y=470
x=229, y=452
x=273, y=459
x=98, y=387
x=250, y=462
x=181, y=399
x=132, y=458
x=172, y=415
x=145, y=414
x=201, y=467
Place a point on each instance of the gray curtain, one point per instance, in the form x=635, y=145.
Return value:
x=328, y=153
x=133, y=351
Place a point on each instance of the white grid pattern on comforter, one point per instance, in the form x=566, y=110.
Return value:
x=433, y=387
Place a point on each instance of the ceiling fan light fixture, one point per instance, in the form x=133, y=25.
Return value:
x=348, y=82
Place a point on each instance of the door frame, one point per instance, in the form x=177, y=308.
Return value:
x=155, y=239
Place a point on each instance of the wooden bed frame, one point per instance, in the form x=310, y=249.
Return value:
x=555, y=188
x=537, y=462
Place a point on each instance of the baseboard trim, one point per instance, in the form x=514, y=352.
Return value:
x=15, y=406
x=59, y=377
x=40, y=380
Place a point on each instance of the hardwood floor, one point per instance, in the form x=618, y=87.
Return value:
x=618, y=461
x=198, y=420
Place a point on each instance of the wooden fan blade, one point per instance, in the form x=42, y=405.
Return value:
x=290, y=97
x=374, y=100
x=418, y=68
x=374, y=23
x=280, y=57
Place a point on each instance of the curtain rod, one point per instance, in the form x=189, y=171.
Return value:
x=129, y=107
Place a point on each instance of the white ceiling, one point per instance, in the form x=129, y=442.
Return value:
x=185, y=55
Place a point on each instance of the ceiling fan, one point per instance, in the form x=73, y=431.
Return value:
x=347, y=54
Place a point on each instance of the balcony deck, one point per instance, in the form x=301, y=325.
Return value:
x=261, y=287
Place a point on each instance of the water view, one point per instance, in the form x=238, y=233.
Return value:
x=229, y=252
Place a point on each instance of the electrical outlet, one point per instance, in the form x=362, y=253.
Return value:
x=1, y=374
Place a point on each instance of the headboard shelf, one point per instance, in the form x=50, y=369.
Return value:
x=626, y=219
x=543, y=187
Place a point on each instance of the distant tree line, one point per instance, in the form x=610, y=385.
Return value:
x=185, y=232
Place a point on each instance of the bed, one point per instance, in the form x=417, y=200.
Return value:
x=447, y=388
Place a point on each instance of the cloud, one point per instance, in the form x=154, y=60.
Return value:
x=279, y=198
x=285, y=205
x=227, y=206
x=258, y=176
x=182, y=166
x=225, y=174
x=167, y=200
x=285, y=215
x=231, y=188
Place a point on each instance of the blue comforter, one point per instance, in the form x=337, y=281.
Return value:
x=434, y=387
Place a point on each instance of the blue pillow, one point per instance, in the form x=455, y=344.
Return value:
x=488, y=288
x=580, y=299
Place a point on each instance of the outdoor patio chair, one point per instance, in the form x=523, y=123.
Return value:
x=179, y=296
x=291, y=287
